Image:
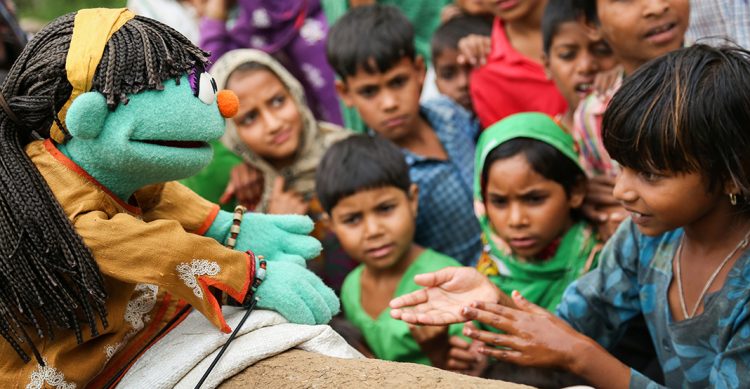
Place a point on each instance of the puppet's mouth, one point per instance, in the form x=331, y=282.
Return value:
x=191, y=144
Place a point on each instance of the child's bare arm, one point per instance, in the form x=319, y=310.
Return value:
x=433, y=340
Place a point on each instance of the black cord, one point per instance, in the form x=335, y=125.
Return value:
x=114, y=379
x=224, y=348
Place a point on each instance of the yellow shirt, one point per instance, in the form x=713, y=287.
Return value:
x=154, y=261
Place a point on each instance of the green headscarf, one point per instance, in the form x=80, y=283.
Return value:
x=540, y=281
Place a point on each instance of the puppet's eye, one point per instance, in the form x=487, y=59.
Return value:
x=206, y=90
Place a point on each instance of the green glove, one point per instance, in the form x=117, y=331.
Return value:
x=297, y=294
x=276, y=237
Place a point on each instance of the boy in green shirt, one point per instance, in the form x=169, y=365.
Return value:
x=364, y=187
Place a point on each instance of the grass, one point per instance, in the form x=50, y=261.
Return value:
x=46, y=10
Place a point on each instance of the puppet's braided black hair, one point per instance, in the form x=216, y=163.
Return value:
x=48, y=277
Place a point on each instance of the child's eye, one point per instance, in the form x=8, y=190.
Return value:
x=567, y=55
x=205, y=88
x=498, y=201
x=368, y=92
x=398, y=82
x=534, y=199
x=278, y=101
x=351, y=220
x=385, y=208
x=249, y=118
x=448, y=72
x=601, y=49
x=650, y=176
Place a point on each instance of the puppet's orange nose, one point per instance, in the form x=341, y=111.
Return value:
x=228, y=103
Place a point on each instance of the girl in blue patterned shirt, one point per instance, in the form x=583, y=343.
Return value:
x=679, y=129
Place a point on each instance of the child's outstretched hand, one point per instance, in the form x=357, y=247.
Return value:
x=474, y=50
x=446, y=292
x=464, y=357
x=532, y=335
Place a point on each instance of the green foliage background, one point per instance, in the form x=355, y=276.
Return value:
x=46, y=10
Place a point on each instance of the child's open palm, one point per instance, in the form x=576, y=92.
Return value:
x=447, y=292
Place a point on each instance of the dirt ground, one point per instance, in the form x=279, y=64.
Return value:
x=301, y=369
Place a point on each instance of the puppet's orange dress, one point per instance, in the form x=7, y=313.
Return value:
x=154, y=260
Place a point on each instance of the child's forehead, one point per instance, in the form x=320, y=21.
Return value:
x=573, y=29
x=368, y=197
x=370, y=69
x=447, y=55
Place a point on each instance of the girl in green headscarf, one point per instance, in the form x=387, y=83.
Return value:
x=528, y=189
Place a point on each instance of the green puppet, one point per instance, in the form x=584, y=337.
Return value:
x=100, y=248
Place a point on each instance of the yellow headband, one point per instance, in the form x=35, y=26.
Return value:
x=92, y=29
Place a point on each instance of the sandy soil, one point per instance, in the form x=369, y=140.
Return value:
x=301, y=369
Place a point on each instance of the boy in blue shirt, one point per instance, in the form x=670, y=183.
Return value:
x=371, y=48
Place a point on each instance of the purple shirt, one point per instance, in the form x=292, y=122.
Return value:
x=266, y=25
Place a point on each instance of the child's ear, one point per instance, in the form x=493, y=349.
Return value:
x=86, y=115
x=344, y=92
x=577, y=193
x=421, y=68
x=731, y=188
x=413, y=196
x=545, y=62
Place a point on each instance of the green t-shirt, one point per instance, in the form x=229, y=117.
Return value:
x=388, y=338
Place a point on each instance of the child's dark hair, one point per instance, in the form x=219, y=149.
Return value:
x=373, y=38
x=357, y=163
x=50, y=279
x=457, y=28
x=543, y=158
x=557, y=13
x=587, y=8
x=687, y=111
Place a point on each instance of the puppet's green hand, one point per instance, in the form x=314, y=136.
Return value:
x=276, y=237
x=297, y=294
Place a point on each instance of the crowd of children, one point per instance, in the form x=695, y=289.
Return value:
x=580, y=158
x=510, y=171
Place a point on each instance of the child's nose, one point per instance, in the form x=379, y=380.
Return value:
x=228, y=103
x=587, y=64
x=517, y=216
x=372, y=226
x=622, y=190
x=389, y=101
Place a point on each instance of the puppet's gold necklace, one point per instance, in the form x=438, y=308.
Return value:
x=678, y=272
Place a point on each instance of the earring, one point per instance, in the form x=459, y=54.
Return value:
x=733, y=198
